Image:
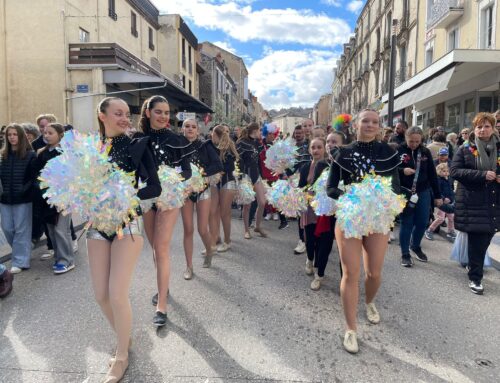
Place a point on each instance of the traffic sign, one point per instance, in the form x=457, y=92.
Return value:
x=183, y=116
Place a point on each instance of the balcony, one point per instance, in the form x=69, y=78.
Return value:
x=103, y=54
x=444, y=12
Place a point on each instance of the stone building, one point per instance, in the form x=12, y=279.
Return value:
x=322, y=111
x=79, y=52
x=287, y=122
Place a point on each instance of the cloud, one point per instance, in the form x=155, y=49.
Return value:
x=243, y=23
x=284, y=78
x=335, y=3
x=355, y=6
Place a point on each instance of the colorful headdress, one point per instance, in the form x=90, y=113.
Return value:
x=339, y=121
x=270, y=128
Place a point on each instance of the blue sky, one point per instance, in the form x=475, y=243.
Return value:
x=289, y=47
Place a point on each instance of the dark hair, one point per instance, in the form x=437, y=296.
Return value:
x=246, y=132
x=59, y=128
x=102, y=108
x=404, y=123
x=23, y=145
x=144, y=124
x=297, y=127
x=439, y=137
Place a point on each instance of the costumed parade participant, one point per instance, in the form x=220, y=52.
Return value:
x=112, y=257
x=169, y=151
x=224, y=192
x=365, y=213
x=342, y=124
x=247, y=146
x=203, y=154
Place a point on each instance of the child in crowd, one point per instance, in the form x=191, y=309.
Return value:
x=448, y=208
x=58, y=224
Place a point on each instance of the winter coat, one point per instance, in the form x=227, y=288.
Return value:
x=477, y=202
x=17, y=176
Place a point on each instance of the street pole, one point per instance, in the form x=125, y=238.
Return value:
x=392, y=70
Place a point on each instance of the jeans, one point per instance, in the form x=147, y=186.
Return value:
x=476, y=248
x=414, y=223
x=16, y=225
x=61, y=240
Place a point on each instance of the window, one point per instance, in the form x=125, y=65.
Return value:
x=453, y=117
x=112, y=10
x=133, y=24
x=190, y=87
x=184, y=81
x=151, y=39
x=84, y=36
x=184, y=53
x=487, y=20
x=190, y=61
x=429, y=53
x=469, y=111
x=453, y=40
x=402, y=64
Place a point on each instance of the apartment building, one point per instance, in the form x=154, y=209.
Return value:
x=76, y=53
x=322, y=111
x=286, y=122
x=239, y=73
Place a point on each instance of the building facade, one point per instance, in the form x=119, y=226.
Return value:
x=322, y=111
x=239, y=74
x=447, y=64
x=287, y=123
x=81, y=52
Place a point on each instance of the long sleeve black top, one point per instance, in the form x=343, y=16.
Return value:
x=169, y=149
x=352, y=162
x=205, y=155
x=17, y=176
x=249, y=158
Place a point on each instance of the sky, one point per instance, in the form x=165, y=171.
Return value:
x=290, y=47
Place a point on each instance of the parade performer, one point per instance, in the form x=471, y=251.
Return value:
x=112, y=259
x=169, y=149
x=203, y=154
x=225, y=191
x=350, y=164
x=247, y=146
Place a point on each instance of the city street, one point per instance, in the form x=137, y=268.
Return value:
x=253, y=318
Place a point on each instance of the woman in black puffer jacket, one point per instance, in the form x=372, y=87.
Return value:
x=476, y=167
x=16, y=201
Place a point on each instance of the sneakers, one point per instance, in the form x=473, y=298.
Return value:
x=60, y=268
x=476, y=287
x=351, y=342
x=420, y=254
x=247, y=235
x=372, y=313
x=223, y=247
x=160, y=319
x=316, y=282
x=49, y=254
x=267, y=217
x=75, y=246
x=309, y=267
x=15, y=270
x=188, y=274
x=6, y=283
x=300, y=248
x=429, y=235
x=406, y=260
x=451, y=236
x=276, y=217
x=391, y=237
x=283, y=225
x=204, y=251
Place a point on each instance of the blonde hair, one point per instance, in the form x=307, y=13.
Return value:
x=441, y=168
x=225, y=144
x=49, y=117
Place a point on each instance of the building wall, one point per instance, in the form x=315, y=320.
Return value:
x=322, y=114
x=287, y=123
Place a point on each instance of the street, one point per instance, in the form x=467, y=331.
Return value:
x=253, y=318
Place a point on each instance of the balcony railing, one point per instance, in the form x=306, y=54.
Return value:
x=107, y=54
x=444, y=12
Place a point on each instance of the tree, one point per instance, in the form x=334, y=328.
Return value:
x=219, y=116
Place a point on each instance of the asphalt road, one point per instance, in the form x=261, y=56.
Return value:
x=253, y=318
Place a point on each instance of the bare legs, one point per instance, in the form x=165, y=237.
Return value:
x=111, y=268
x=261, y=203
x=202, y=213
x=214, y=216
x=225, y=201
x=159, y=229
x=373, y=248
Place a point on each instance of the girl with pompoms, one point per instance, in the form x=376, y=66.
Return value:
x=169, y=149
x=247, y=146
x=203, y=154
x=350, y=164
x=223, y=193
x=111, y=259
x=58, y=225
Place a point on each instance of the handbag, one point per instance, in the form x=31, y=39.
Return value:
x=412, y=197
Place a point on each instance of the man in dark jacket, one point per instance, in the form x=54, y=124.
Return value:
x=399, y=136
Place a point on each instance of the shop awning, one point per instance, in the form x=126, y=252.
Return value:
x=171, y=91
x=425, y=90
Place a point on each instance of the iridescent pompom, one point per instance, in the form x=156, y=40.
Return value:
x=195, y=184
x=173, y=188
x=285, y=196
x=246, y=194
x=281, y=155
x=320, y=202
x=368, y=207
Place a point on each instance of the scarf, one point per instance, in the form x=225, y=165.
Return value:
x=487, y=161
